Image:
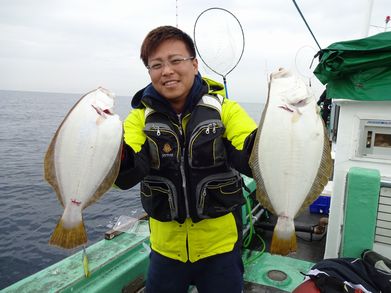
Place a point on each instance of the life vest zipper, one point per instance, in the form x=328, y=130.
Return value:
x=208, y=128
x=159, y=129
x=182, y=167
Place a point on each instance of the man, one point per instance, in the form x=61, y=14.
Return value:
x=186, y=144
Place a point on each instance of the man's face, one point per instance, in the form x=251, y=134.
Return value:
x=175, y=77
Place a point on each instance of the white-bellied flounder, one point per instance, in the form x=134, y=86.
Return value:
x=291, y=159
x=82, y=162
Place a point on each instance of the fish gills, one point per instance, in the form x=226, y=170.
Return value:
x=82, y=162
x=291, y=159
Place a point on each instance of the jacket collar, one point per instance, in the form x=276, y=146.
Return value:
x=148, y=96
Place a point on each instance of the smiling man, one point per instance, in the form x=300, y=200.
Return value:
x=187, y=144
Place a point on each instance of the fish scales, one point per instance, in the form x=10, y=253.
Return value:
x=291, y=159
x=82, y=162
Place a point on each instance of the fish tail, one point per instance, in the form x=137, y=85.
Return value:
x=68, y=237
x=284, y=237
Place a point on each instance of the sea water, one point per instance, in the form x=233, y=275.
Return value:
x=29, y=208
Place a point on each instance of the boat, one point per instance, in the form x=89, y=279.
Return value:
x=351, y=215
x=119, y=263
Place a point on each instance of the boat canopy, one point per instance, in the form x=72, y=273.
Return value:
x=357, y=69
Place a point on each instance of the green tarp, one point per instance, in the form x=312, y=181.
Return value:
x=358, y=69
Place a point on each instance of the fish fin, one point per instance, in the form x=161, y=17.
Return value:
x=284, y=237
x=68, y=238
x=261, y=193
x=50, y=170
x=324, y=173
x=263, y=198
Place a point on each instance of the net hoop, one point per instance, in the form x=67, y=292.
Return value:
x=198, y=51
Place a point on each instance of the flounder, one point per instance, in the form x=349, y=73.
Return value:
x=82, y=162
x=291, y=158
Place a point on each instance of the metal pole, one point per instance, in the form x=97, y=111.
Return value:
x=367, y=20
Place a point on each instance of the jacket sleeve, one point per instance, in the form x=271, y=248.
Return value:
x=240, y=132
x=135, y=155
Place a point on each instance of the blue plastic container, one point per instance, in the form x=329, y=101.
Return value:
x=321, y=205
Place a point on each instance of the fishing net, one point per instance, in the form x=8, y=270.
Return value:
x=219, y=41
x=305, y=62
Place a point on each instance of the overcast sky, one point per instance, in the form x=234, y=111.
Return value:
x=76, y=45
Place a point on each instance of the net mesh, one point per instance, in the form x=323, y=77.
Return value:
x=219, y=40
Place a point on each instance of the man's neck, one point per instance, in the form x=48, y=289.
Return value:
x=178, y=107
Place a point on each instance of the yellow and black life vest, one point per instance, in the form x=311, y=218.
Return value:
x=190, y=176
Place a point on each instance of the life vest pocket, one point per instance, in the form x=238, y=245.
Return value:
x=159, y=198
x=219, y=194
x=153, y=154
x=206, y=146
x=163, y=145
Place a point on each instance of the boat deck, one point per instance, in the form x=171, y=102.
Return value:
x=120, y=264
x=278, y=274
x=271, y=272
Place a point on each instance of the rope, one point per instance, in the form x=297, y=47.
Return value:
x=247, y=240
x=302, y=16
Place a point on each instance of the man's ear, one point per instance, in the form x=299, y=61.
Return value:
x=195, y=65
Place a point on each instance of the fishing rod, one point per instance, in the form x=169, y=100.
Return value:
x=302, y=16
